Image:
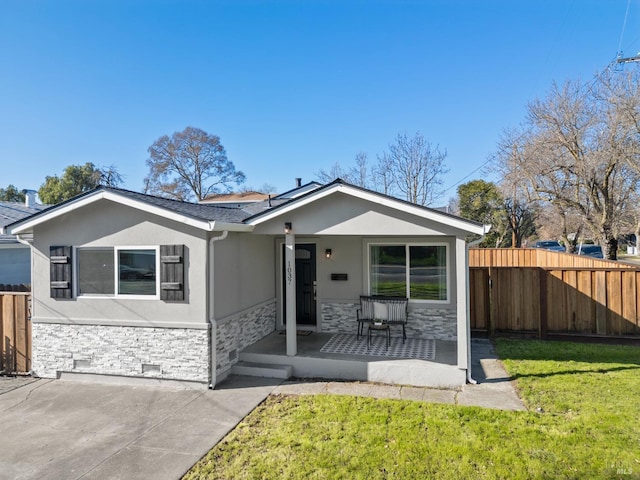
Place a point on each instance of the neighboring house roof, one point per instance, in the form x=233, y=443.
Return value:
x=218, y=218
x=11, y=212
x=236, y=198
x=298, y=191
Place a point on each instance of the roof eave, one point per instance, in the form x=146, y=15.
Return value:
x=230, y=227
x=27, y=225
x=458, y=223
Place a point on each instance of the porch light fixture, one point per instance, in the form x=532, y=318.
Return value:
x=327, y=253
x=287, y=227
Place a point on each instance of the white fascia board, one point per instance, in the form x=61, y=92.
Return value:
x=103, y=195
x=372, y=197
x=230, y=227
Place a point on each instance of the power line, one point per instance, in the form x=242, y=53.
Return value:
x=464, y=178
x=624, y=26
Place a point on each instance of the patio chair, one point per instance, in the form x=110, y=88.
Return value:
x=391, y=310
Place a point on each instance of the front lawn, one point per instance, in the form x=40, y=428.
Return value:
x=584, y=407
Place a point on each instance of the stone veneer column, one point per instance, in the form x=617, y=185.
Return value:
x=238, y=332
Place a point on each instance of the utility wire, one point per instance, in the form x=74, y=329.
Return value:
x=624, y=26
x=464, y=178
x=584, y=89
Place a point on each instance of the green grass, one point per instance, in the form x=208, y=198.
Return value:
x=587, y=427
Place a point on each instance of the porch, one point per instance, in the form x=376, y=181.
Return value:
x=348, y=358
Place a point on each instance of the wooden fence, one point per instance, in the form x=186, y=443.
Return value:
x=15, y=332
x=530, y=297
x=537, y=257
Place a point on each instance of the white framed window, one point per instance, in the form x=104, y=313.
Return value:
x=124, y=272
x=418, y=271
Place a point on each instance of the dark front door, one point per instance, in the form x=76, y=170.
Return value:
x=305, y=284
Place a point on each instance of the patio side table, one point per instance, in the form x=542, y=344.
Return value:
x=380, y=327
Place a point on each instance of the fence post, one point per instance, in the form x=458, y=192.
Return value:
x=490, y=322
x=543, y=321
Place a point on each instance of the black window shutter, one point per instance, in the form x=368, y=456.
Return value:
x=60, y=272
x=172, y=272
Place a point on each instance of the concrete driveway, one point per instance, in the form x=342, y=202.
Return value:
x=54, y=429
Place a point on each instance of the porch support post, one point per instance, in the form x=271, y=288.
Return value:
x=462, y=304
x=290, y=290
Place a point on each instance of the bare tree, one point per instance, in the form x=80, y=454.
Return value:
x=572, y=154
x=336, y=171
x=189, y=163
x=411, y=168
x=416, y=168
x=555, y=222
x=360, y=173
x=521, y=220
x=355, y=175
x=382, y=175
x=110, y=177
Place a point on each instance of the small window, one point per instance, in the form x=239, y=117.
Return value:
x=418, y=272
x=108, y=271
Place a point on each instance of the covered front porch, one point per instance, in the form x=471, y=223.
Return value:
x=346, y=357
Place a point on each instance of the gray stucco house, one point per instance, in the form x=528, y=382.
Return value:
x=131, y=285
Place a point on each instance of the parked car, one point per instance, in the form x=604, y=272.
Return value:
x=133, y=273
x=549, y=245
x=594, y=251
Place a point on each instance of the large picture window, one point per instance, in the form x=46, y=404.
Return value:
x=418, y=272
x=108, y=271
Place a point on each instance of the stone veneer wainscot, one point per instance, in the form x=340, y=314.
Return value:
x=179, y=353
x=437, y=323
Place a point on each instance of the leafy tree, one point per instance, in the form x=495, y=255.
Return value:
x=579, y=150
x=482, y=201
x=190, y=163
x=11, y=194
x=75, y=180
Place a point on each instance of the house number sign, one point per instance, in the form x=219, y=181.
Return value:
x=289, y=273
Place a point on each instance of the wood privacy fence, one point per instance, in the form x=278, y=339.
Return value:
x=537, y=257
x=541, y=292
x=15, y=332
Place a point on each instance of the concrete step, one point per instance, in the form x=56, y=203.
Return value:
x=262, y=370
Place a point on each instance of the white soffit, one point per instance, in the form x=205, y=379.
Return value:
x=433, y=215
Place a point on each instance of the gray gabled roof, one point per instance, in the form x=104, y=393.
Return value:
x=215, y=217
x=11, y=212
x=200, y=211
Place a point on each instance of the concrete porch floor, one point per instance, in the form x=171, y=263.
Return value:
x=310, y=362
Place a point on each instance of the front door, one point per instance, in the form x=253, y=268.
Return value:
x=305, y=284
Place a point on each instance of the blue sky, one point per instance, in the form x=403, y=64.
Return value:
x=291, y=87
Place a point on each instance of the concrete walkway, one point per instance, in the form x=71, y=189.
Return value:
x=54, y=429
x=493, y=390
